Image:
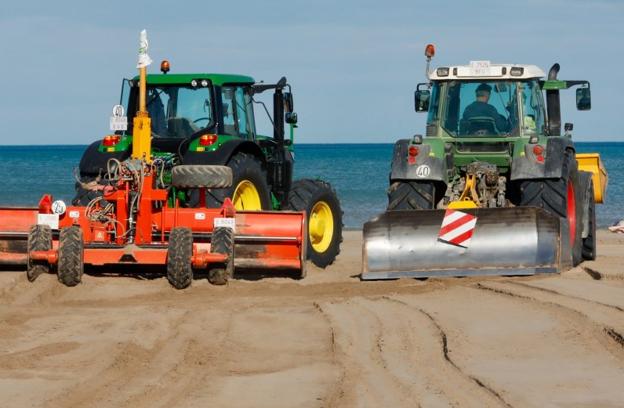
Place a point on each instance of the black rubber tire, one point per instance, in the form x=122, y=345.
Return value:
x=179, y=254
x=589, y=242
x=411, y=195
x=198, y=176
x=39, y=239
x=93, y=162
x=303, y=195
x=84, y=196
x=222, y=242
x=244, y=167
x=552, y=196
x=70, y=256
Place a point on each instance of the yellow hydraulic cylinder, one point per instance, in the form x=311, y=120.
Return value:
x=142, y=127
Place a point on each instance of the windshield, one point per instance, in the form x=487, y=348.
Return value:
x=477, y=108
x=178, y=111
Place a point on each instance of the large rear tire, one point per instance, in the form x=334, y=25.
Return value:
x=249, y=189
x=589, y=242
x=320, y=202
x=179, y=254
x=222, y=242
x=70, y=256
x=561, y=197
x=411, y=195
x=85, y=195
x=39, y=239
x=93, y=164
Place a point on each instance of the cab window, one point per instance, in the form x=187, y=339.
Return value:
x=238, y=119
x=476, y=108
x=179, y=111
x=532, y=108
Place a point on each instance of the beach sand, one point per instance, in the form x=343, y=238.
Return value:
x=329, y=340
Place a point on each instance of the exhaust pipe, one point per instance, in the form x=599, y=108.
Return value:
x=553, y=103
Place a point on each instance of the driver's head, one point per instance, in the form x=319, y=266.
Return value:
x=483, y=92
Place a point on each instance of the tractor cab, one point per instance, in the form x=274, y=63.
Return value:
x=200, y=113
x=483, y=99
x=197, y=112
x=493, y=100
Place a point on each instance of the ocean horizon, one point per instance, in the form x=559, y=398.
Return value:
x=357, y=171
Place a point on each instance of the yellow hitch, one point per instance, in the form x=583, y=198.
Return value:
x=469, y=198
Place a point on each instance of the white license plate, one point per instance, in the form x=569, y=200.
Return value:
x=481, y=68
x=51, y=220
x=225, y=222
x=118, y=123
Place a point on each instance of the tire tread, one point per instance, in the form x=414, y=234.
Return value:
x=70, y=256
x=179, y=266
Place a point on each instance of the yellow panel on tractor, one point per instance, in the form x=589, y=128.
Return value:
x=591, y=162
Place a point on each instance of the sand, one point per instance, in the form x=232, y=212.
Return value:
x=326, y=341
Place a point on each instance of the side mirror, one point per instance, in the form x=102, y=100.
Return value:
x=421, y=100
x=289, y=104
x=583, y=99
x=291, y=118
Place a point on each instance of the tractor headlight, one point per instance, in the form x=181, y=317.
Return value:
x=442, y=71
x=516, y=71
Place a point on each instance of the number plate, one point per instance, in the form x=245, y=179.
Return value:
x=480, y=68
x=118, y=123
x=52, y=220
x=225, y=222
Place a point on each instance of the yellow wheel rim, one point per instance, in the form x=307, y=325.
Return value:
x=246, y=197
x=321, y=226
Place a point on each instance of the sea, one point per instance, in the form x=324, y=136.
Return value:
x=358, y=172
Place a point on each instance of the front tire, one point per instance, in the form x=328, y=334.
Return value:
x=70, y=256
x=561, y=197
x=411, y=195
x=179, y=254
x=320, y=202
x=39, y=239
x=222, y=242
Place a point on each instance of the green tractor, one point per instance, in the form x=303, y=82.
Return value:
x=494, y=187
x=208, y=119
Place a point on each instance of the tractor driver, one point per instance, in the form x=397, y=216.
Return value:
x=481, y=108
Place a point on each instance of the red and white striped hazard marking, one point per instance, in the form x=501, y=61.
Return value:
x=457, y=228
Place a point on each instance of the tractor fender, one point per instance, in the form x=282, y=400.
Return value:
x=526, y=167
x=223, y=154
x=423, y=168
x=93, y=162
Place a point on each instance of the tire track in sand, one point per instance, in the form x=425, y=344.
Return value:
x=591, y=315
x=400, y=362
x=141, y=375
x=515, y=344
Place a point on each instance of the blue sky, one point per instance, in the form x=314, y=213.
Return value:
x=353, y=65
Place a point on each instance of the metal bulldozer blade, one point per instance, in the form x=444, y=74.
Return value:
x=505, y=241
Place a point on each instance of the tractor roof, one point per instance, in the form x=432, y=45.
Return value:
x=485, y=70
x=180, y=79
